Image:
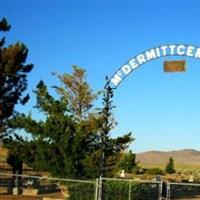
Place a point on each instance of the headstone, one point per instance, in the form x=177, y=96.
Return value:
x=191, y=179
x=122, y=175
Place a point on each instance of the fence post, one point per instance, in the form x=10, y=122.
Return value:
x=16, y=184
x=160, y=190
x=129, y=191
x=100, y=188
x=168, y=191
x=96, y=189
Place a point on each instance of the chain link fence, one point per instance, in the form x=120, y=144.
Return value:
x=121, y=189
x=183, y=191
x=99, y=189
x=47, y=187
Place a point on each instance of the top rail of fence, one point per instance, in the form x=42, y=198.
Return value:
x=48, y=177
x=186, y=184
x=131, y=180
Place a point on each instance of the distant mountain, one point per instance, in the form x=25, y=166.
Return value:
x=181, y=157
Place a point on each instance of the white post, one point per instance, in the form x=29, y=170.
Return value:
x=129, y=191
x=100, y=188
x=168, y=191
x=96, y=189
x=160, y=190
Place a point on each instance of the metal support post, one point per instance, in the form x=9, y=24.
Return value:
x=100, y=197
x=129, y=191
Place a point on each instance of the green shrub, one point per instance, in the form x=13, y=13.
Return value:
x=81, y=191
x=138, y=170
x=120, y=190
x=155, y=171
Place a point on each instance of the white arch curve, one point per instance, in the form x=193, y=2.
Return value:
x=152, y=54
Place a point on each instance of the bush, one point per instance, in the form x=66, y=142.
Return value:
x=138, y=170
x=81, y=191
x=155, y=171
x=120, y=190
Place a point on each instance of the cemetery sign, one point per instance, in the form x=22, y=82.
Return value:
x=154, y=53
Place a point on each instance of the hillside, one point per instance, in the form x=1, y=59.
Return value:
x=3, y=153
x=4, y=167
x=186, y=157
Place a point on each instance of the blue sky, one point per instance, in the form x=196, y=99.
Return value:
x=162, y=110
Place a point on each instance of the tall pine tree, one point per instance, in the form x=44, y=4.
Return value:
x=13, y=76
x=170, y=166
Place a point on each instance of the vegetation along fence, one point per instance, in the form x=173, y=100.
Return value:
x=183, y=191
x=47, y=187
x=121, y=189
x=99, y=189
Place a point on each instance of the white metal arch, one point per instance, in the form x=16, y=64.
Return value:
x=152, y=54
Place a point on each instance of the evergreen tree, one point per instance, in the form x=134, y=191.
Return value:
x=170, y=166
x=67, y=142
x=77, y=92
x=127, y=161
x=110, y=148
x=52, y=146
x=13, y=77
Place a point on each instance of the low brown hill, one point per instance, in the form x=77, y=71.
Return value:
x=3, y=154
x=6, y=168
x=181, y=157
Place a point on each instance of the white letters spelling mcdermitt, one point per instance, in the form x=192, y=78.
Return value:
x=161, y=51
